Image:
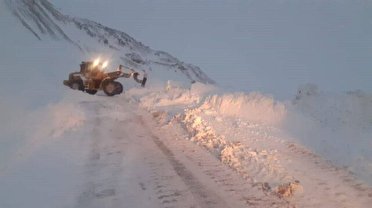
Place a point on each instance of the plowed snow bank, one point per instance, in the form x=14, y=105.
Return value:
x=338, y=127
x=254, y=107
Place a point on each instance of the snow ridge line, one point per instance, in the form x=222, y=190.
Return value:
x=250, y=165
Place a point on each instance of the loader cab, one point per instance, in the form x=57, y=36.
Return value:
x=85, y=66
x=90, y=71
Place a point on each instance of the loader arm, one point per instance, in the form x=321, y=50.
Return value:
x=134, y=74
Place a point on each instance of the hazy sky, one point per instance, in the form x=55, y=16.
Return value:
x=269, y=46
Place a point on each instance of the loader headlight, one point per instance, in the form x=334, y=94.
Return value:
x=96, y=62
x=105, y=64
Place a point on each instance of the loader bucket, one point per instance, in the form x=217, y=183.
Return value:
x=141, y=81
x=144, y=81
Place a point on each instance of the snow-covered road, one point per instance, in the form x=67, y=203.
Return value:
x=98, y=151
x=132, y=163
x=119, y=157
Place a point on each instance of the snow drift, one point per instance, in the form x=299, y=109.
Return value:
x=31, y=129
x=336, y=126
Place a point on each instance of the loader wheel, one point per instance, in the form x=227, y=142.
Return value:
x=77, y=85
x=118, y=88
x=109, y=87
x=92, y=92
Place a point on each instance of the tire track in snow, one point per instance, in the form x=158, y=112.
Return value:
x=126, y=168
x=205, y=197
x=225, y=182
x=229, y=183
x=111, y=169
x=100, y=188
x=166, y=187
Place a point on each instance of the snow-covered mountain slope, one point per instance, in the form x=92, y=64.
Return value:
x=43, y=21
